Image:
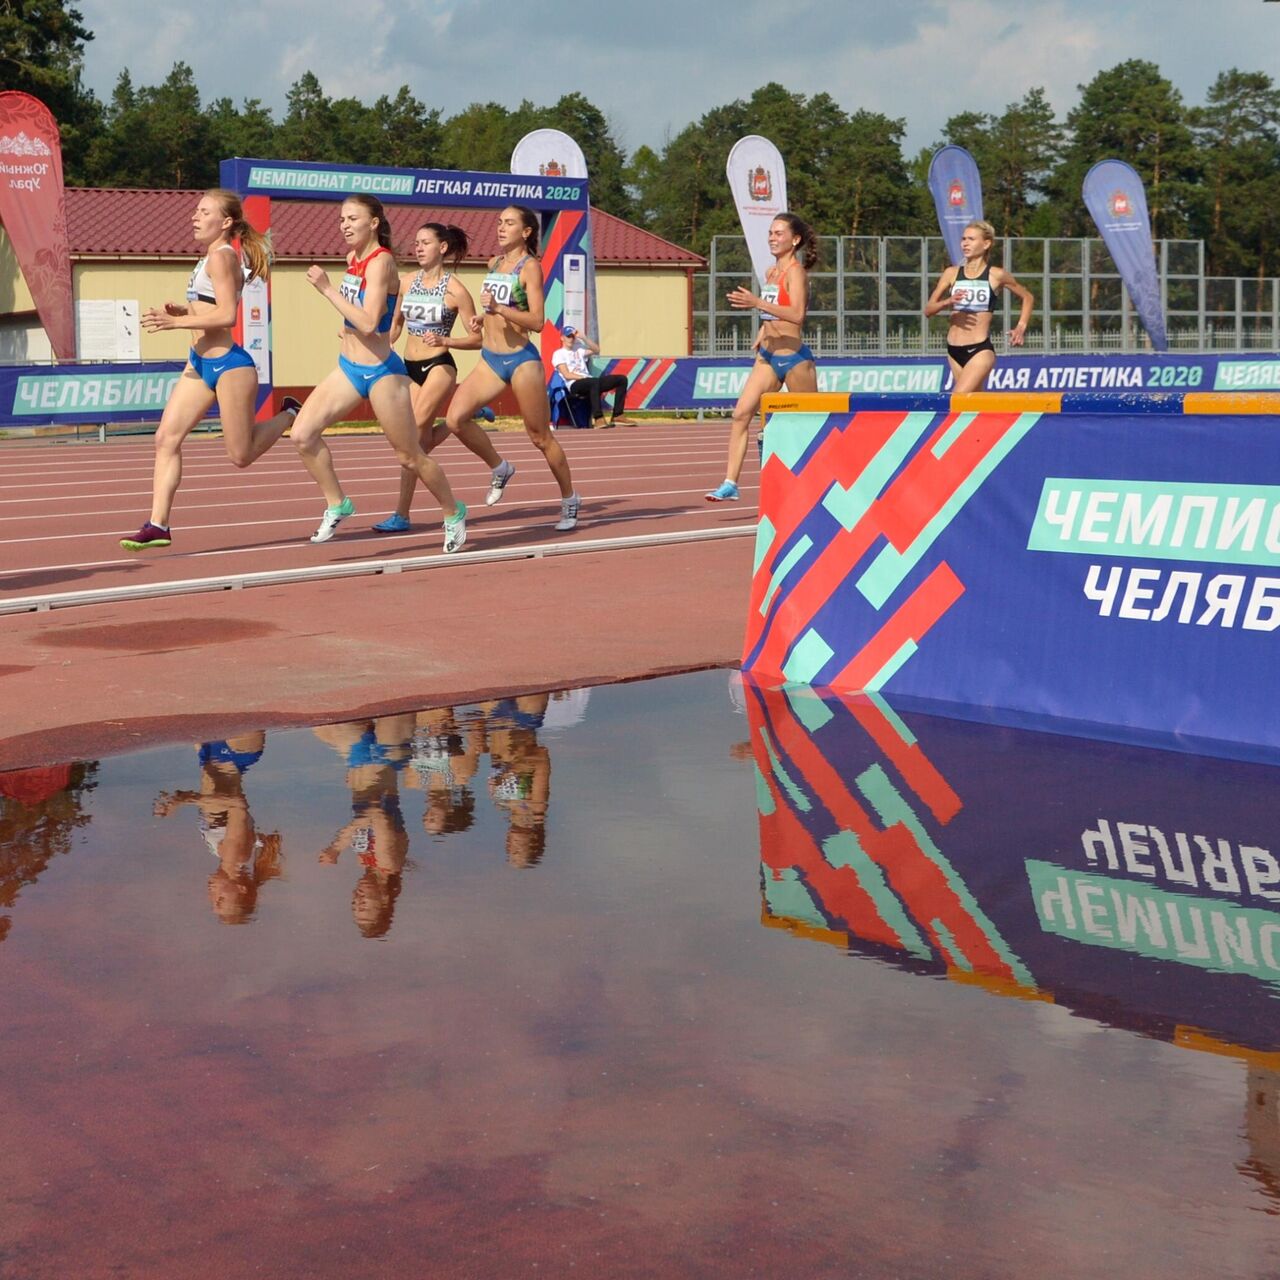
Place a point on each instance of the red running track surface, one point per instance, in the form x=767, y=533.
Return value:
x=65, y=506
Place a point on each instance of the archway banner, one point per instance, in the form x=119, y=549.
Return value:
x=33, y=211
x=758, y=179
x=1117, y=202
x=956, y=187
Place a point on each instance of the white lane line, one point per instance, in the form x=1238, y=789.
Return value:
x=503, y=442
x=589, y=502
x=359, y=568
x=197, y=482
x=475, y=553
x=272, y=464
x=359, y=487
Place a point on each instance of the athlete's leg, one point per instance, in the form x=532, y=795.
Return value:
x=427, y=398
x=389, y=397
x=189, y=401
x=974, y=375
x=246, y=440
x=531, y=395
x=760, y=381
x=330, y=402
x=802, y=377
x=477, y=389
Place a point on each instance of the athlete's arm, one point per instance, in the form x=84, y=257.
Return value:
x=533, y=319
x=397, y=321
x=937, y=301
x=1001, y=279
x=461, y=301
x=226, y=277
x=377, y=285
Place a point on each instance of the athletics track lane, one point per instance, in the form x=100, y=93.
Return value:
x=65, y=506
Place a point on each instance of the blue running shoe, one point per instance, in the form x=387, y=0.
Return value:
x=394, y=523
x=727, y=492
x=486, y=415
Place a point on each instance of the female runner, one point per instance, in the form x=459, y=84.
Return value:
x=512, y=302
x=218, y=367
x=431, y=299
x=782, y=358
x=970, y=291
x=368, y=369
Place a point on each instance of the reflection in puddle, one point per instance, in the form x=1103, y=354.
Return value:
x=575, y=1047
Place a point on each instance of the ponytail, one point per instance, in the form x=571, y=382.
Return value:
x=255, y=248
x=451, y=236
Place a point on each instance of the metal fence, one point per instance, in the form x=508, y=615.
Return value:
x=867, y=294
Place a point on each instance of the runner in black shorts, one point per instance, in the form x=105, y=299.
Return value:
x=969, y=290
x=431, y=300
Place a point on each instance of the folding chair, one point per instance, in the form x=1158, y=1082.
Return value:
x=567, y=410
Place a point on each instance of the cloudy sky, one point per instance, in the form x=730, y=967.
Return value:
x=653, y=67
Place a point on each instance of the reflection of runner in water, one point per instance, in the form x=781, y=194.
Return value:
x=247, y=859
x=520, y=784
x=446, y=756
x=375, y=751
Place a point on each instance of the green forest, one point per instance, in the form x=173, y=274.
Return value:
x=1212, y=170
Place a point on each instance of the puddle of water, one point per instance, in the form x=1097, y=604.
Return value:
x=680, y=978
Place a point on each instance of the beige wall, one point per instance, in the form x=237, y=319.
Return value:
x=642, y=312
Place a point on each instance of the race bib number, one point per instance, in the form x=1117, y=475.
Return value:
x=350, y=288
x=971, y=295
x=418, y=316
x=500, y=284
x=769, y=294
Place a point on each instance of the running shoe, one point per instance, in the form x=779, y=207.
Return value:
x=394, y=523
x=333, y=517
x=150, y=535
x=486, y=415
x=727, y=492
x=291, y=404
x=455, y=529
x=568, y=513
x=501, y=474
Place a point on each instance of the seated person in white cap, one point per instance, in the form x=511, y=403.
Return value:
x=572, y=362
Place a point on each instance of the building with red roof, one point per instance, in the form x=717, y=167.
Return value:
x=134, y=247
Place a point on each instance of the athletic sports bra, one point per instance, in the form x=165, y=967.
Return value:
x=776, y=295
x=506, y=286
x=974, y=294
x=200, y=287
x=427, y=310
x=352, y=289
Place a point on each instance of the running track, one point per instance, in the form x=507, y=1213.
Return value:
x=66, y=505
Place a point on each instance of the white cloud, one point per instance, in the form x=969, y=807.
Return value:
x=652, y=69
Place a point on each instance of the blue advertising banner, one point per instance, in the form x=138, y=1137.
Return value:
x=715, y=382
x=1137, y=888
x=458, y=189
x=956, y=188
x=33, y=395
x=1117, y=202
x=1102, y=574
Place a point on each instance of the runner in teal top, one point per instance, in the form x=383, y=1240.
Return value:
x=512, y=303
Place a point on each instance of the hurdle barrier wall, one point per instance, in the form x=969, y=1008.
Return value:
x=1107, y=565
